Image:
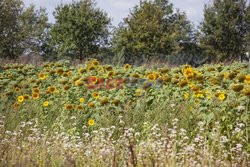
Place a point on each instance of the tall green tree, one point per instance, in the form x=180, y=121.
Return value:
x=81, y=29
x=21, y=29
x=152, y=28
x=224, y=30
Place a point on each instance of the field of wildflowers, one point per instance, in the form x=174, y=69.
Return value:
x=102, y=115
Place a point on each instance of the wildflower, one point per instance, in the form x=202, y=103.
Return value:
x=91, y=122
x=95, y=95
x=82, y=100
x=127, y=67
x=20, y=99
x=46, y=104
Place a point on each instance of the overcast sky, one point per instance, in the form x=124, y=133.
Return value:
x=118, y=9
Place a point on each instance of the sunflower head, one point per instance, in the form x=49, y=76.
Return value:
x=91, y=122
x=26, y=97
x=237, y=87
x=246, y=91
x=79, y=83
x=69, y=107
x=59, y=71
x=104, y=101
x=91, y=105
x=116, y=102
x=52, y=89
x=110, y=74
x=183, y=83
x=42, y=76
x=95, y=95
x=66, y=87
x=151, y=77
x=20, y=99
x=35, y=96
x=79, y=107
x=127, y=67
x=82, y=100
x=247, y=79
x=93, y=79
x=46, y=104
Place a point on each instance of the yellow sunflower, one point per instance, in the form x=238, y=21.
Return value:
x=91, y=122
x=127, y=67
x=69, y=107
x=247, y=79
x=79, y=83
x=82, y=100
x=42, y=76
x=20, y=99
x=151, y=77
x=91, y=105
x=95, y=95
x=46, y=104
x=52, y=89
x=221, y=96
x=35, y=95
x=93, y=79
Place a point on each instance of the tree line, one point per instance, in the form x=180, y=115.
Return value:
x=153, y=30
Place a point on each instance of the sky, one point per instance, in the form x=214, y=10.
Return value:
x=118, y=9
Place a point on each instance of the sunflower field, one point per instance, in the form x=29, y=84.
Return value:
x=102, y=115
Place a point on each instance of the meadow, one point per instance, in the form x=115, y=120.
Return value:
x=96, y=114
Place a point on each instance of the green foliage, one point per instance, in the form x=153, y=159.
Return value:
x=224, y=30
x=151, y=29
x=22, y=29
x=81, y=29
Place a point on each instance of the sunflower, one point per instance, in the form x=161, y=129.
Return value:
x=79, y=83
x=127, y=67
x=52, y=89
x=104, y=101
x=17, y=90
x=82, y=100
x=91, y=68
x=186, y=95
x=91, y=122
x=237, y=87
x=247, y=79
x=20, y=99
x=246, y=91
x=183, y=83
x=26, y=97
x=42, y=76
x=110, y=74
x=59, y=71
x=166, y=78
x=66, y=87
x=91, y=105
x=116, y=102
x=188, y=72
x=139, y=92
x=35, y=90
x=82, y=70
x=79, y=107
x=46, y=104
x=69, y=107
x=221, y=96
x=95, y=95
x=93, y=79
x=151, y=77
x=95, y=62
x=35, y=96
